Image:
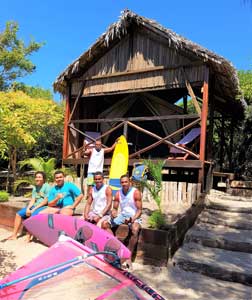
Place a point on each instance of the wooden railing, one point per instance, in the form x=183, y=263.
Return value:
x=129, y=122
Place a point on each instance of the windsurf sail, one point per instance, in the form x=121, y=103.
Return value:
x=48, y=227
x=71, y=270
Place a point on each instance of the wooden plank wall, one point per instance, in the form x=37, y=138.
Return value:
x=179, y=194
x=148, y=51
x=176, y=195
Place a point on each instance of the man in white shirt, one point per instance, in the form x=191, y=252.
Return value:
x=99, y=201
x=129, y=200
x=96, y=159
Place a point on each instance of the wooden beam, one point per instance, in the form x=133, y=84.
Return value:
x=77, y=99
x=187, y=164
x=191, y=93
x=159, y=138
x=163, y=139
x=66, y=119
x=173, y=107
x=137, y=119
x=222, y=142
x=141, y=71
x=100, y=137
x=185, y=104
x=231, y=145
x=210, y=129
x=204, y=125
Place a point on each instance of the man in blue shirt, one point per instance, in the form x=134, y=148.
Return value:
x=64, y=197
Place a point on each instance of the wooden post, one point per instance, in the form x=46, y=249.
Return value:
x=211, y=120
x=125, y=130
x=222, y=141
x=185, y=104
x=67, y=115
x=231, y=145
x=204, y=113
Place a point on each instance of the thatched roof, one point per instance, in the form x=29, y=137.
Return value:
x=116, y=31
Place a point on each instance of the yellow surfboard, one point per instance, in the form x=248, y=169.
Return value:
x=119, y=163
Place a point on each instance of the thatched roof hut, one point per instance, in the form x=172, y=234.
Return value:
x=131, y=79
x=225, y=73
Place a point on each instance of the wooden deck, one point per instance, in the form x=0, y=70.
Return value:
x=175, y=163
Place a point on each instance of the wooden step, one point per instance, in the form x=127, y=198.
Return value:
x=230, y=205
x=220, y=237
x=217, y=263
x=224, y=218
x=230, y=197
x=177, y=284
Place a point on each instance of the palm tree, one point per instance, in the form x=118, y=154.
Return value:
x=37, y=164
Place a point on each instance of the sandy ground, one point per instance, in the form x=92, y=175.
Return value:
x=171, y=282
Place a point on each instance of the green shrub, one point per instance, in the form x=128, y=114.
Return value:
x=156, y=219
x=4, y=196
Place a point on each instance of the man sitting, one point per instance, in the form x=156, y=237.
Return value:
x=97, y=208
x=130, y=201
x=64, y=197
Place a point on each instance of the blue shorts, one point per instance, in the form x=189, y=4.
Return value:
x=22, y=212
x=120, y=219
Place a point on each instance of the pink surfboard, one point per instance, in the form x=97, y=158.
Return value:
x=48, y=227
x=70, y=270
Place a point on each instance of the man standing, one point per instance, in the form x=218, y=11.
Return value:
x=130, y=201
x=97, y=208
x=96, y=159
x=64, y=197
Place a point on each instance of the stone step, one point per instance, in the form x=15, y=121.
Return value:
x=216, y=263
x=230, y=205
x=177, y=284
x=220, y=237
x=223, y=218
x=230, y=197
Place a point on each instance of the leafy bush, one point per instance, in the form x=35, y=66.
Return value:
x=4, y=196
x=156, y=219
x=155, y=172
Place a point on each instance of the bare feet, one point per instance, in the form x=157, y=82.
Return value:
x=12, y=237
x=29, y=238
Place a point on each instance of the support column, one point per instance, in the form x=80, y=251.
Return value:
x=204, y=113
x=231, y=145
x=66, y=129
x=222, y=141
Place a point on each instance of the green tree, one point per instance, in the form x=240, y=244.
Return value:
x=245, y=78
x=243, y=142
x=23, y=120
x=14, y=55
x=32, y=91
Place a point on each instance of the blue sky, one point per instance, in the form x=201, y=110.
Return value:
x=69, y=27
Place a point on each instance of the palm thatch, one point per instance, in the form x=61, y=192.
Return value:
x=222, y=68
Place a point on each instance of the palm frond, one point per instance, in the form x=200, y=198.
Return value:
x=23, y=181
x=35, y=163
